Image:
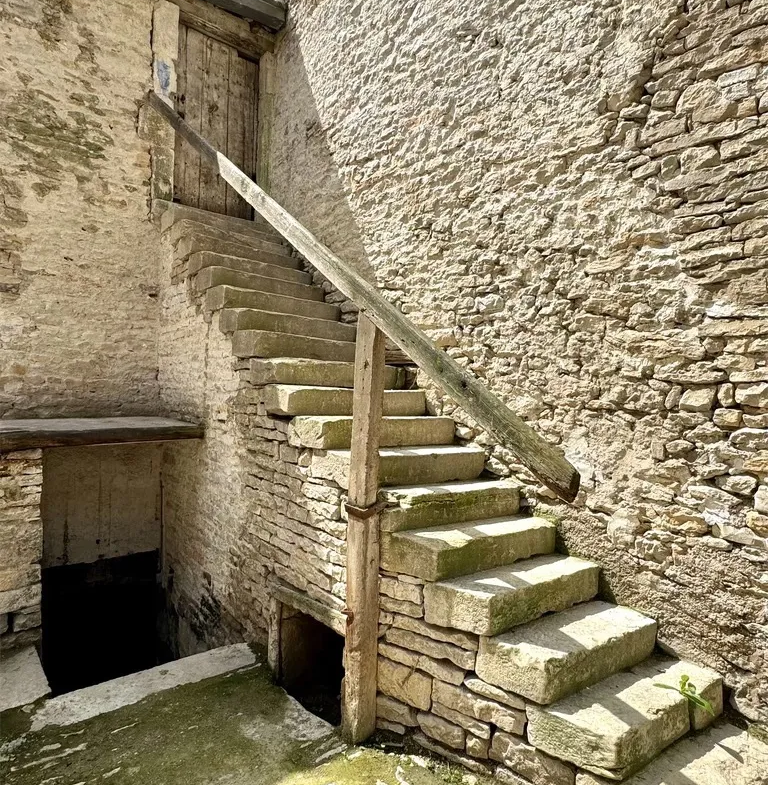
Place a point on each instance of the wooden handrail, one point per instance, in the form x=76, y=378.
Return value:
x=543, y=459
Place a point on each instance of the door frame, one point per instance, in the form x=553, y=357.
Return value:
x=253, y=41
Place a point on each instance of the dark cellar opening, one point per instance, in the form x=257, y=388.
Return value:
x=101, y=620
x=312, y=665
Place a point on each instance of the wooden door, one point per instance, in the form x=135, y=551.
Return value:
x=217, y=95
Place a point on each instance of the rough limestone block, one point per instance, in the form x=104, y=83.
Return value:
x=22, y=679
x=469, y=703
x=525, y=760
x=263, y=343
x=311, y=373
x=393, y=710
x=477, y=747
x=494, y=693
x=238, y=319
x=287, y=400
x=397, y=465
x=423, y=506
x=18, y=599
x=443, y=731
x=334, y=433
x=492, y=601
x=439, y=668
x=480, y=729
x=559, y=654
x=404, y=684
x=700, y=400
x=624, y=721
x=755, y=395
x=218, y=297
x=438, y=650
x=722, y=755
x=461, y=549
x=463, y=640
x=449, y=754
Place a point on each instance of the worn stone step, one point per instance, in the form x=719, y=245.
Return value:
x=562, y=653
x=234, y=319
x=181, y=212
x=265, y=343
x=493, y=601
x=422, y=506
x=335, y=433
x=198, y=261
x=292, y=400
x=186, y=227
x=256, y=250
x=721, y=755
x=313, y=373
x=461, y=549
x=431, y=463
x=618, y=725
x=218, y=297
x=221, y=276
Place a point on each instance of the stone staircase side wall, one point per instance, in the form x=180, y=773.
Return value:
x=21, y=547
x=240, y=509
x=428, y=688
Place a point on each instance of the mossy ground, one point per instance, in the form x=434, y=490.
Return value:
x=236, y=729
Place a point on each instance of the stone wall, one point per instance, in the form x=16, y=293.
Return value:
x=242, y=508
x=21, y=547
x=78, y=255
x=428, y=686
x=100, y=502
x=571, y=202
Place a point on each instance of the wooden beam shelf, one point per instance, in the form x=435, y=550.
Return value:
x=78, y=431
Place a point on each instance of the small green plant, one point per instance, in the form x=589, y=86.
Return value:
x=688, y=690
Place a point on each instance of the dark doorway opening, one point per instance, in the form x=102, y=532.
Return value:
x=312, y=664
x=100, y=620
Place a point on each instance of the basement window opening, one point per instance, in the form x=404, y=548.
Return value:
x=312, y=664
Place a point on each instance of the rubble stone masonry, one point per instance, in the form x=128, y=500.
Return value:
x=21, y=547
x=572, y=200
x=78, y=255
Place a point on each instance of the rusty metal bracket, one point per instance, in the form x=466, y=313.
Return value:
x=362, y=513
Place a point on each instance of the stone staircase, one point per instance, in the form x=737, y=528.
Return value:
x=493, y=647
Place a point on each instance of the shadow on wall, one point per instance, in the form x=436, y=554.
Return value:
x=309, y=185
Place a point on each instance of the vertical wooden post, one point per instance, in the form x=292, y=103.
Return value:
x=360, y=650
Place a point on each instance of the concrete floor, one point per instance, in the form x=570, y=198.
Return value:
x=235, y=728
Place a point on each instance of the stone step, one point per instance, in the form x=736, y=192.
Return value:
x=187, y=227
x=256, y=250
x=461, y=549
x=431, y=463
x=292, y=400
x=721, y=755
x=335, y=433
x=565, y=652
x=619, y=725
x=202, y=259
x=218, y=297
x=264, y=343
x=181, y=212
x=22, y=679
x=490, y=602
x=221, y=276
x=422, y=506
x=313, y=373
x=236, y=319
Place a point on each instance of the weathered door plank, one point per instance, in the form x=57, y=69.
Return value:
x=214, y=120
x=193, y=104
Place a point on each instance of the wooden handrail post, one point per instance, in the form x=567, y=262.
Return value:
x=361, y=644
